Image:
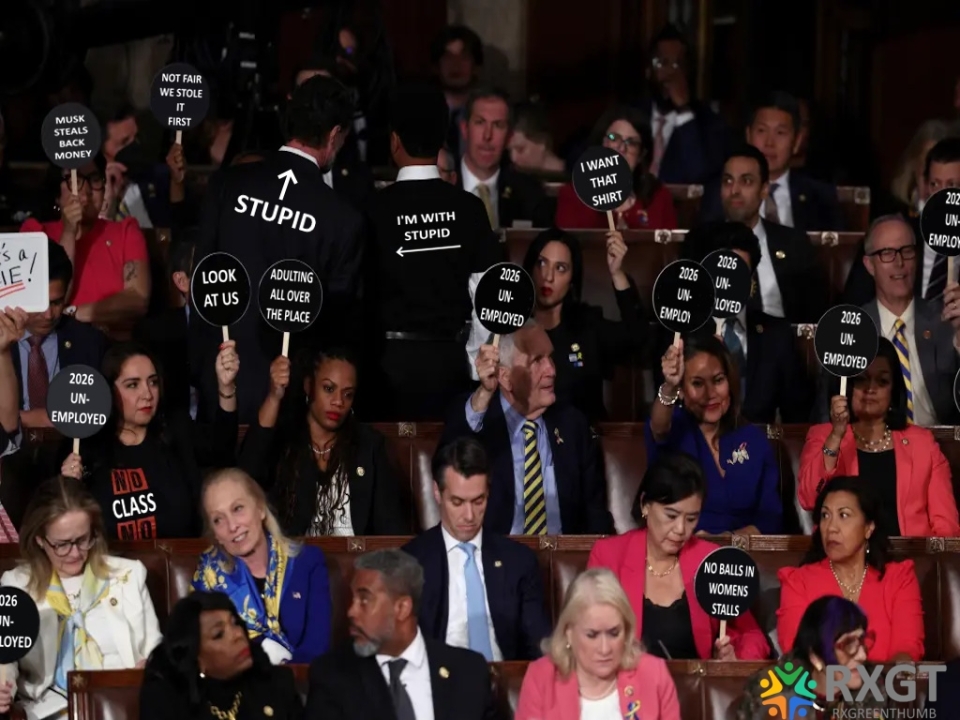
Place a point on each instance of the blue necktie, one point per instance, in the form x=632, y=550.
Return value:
x=477, y=628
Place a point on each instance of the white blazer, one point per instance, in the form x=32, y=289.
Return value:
x=125, y=616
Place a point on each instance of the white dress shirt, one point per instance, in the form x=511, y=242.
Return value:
x=471, y=182
x=415, y=676
x=767, y=276
x=418, y=172
x=781, y=196
x=136, y=206
x=301, y=153
x=607, y=708
x=923, y=411
x=671, y=121
x=457, y=633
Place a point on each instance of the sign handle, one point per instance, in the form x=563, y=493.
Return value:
x=610, y=222
x=843, y=386
x=951, y=275
x=719, y=322
x=226, y=333
x=676, y=339
x=179, y=140
x=723, y=628
x=496, y=341
x=76, y=446
x=286, y=344
x=74, y=183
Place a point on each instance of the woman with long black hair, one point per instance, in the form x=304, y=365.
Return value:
x=326, y=472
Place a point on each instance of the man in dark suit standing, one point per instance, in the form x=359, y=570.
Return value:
x=774, y=385
x=793, y=199
x=394, y=671
x=512, y=198
x=279, y=209
x=428, y=240
x=537, y=448
x=482, y=590
x=792, y=283
x=51, y=342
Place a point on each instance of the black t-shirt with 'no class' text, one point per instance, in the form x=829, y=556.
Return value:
x=145, y=495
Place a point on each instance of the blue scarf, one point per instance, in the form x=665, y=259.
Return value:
x=261, y=614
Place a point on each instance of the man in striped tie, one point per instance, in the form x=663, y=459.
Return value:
x=546, y=470
x=925, y=344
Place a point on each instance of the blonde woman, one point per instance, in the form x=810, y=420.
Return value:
x=281, y=589
x=593, y=662
x=95, y=610
x=908, y=186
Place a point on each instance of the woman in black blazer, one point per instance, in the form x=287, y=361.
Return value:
x=326, y=472
x=206, y=668
x=145, y=466
x=586, y=346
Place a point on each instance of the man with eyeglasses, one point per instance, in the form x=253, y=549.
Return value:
x=926, y=345
x=689, y=139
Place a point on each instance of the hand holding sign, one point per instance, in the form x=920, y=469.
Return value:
x=683, y=297
x=603, y=180
x=290, y=298
x=24, y=272
x=504, y=299
x=846, y=342
x=731, y=281
x=940, y=226
x=79, y=402
x=70, y=135
x=727, y=584
x=179, y=98
x=19, y=626
x=220, y=290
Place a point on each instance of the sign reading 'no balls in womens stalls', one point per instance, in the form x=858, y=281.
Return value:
x=940, y=222
x=220, y=289
x=727, y=583
x=70, y=135
x=683, y=296
x=602, y=179
x=290, y=296
x=179, y=97
x=19, y=625
x=504, y=298
x=79, y=402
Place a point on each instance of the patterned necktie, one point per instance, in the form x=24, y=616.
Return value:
x=123, y=210
x=903, y=352
x=659, y=146
x=534, y=502
x=770, y=211
x=483, y=191
x=401, y=699
x=938, y=278
x=732, y=341
x=477, y=627
x=38, y=381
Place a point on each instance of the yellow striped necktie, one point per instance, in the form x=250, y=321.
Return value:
x=903, y=353
x=123, y=211
x=534, y=501
x=484, y=192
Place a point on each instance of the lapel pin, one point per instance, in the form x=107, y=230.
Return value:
x=268, y=711
x=68, y=344
x=759, y=328
x=556, y=434
x=444, y=673
x=575, y=347
x=506, y=193
x=781, y=254
x=113, y=602
x=296, y=596
x=108, y=243
x=498, y=563
x=803, y=198
x=344, y=172
x=927, y=334
x=628, y=691
x=905, y=441
x=360, y=471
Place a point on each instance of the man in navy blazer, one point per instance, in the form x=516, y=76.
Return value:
x=514, y=414
x=514, y=619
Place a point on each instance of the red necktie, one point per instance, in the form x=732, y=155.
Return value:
x=38, y=381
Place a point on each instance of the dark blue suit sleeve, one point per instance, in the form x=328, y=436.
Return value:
x=599, y=521
x=319, y=619
x=769, y=510
x=534, y=622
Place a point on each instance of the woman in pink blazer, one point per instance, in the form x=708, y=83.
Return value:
x=869, y=435
x=593, y=666
x=656, y=566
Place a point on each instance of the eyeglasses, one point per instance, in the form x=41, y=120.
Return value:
x=661, y=63
x=887, y=255
x=851, y=645
x=616, y=138
x=62, y=549
x=97, y=182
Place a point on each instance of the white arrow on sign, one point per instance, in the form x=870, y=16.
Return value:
x=401, y=252
x=286, y=176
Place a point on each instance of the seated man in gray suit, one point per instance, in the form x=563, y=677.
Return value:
x=921, y=328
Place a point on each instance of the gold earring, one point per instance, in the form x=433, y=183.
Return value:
x=644, y=514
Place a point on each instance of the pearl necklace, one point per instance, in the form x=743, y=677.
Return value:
x=874, y=445
x=851, y=591
x=665, y=572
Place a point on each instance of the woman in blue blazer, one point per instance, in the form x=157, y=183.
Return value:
x=280, y=588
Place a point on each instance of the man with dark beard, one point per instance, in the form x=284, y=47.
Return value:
x=689, y=139
x=392, y=670
x=457, y=54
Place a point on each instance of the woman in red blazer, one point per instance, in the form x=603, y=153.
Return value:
x=849, y=557
x=904, y=463
x=656, y=566
x=626, y=130
x=593, y=666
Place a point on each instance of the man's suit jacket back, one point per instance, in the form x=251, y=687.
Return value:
x=344, y=686
x=514, y=588
x=577, y=466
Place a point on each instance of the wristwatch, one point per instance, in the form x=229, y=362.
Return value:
x=70, y=311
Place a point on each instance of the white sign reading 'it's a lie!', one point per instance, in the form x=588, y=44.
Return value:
x=275, y=211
